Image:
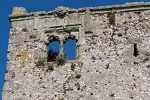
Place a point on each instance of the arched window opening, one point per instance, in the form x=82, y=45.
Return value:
x=70, y=49
x=53, y=50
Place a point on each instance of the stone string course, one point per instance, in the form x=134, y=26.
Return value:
x=105, y=67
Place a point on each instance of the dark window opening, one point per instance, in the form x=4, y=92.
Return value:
x=135, y=50
x=70, y=49
x=53, y=50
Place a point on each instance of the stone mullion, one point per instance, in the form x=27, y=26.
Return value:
x=61, y=50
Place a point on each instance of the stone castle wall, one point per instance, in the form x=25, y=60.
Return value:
x=112, y=54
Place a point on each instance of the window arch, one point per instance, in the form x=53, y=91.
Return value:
x=53, y=48
x=65, y=46
x=70, y=48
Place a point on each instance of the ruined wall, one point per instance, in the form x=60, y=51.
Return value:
x=112, y=60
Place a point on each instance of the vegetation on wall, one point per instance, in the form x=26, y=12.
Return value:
x=52, y=55
x=111, y=17
x=60, y=60
x=53, y=59
x=40, y=62
x=24, y=30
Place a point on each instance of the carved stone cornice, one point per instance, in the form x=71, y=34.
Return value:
x=62, y=11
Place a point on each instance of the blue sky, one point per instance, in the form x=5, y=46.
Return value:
x=38, y=5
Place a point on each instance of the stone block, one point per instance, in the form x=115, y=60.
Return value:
x=18, y=11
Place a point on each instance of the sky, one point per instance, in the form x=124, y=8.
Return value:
x=38, y=5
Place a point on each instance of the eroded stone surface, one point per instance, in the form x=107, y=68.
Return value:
x=18, y=11
x=105, y=67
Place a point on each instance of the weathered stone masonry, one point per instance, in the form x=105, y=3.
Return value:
x=112, y=54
